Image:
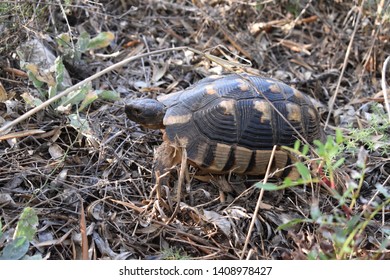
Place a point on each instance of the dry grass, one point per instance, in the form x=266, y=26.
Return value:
x=332, y=50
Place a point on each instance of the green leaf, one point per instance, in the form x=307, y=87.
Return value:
x=312, y=255
x=37, y=83
x=52, y=91
x=304, y=171
x=27, y=224
x=36, y=257
x=267, y=186
x=89, y=98
x=339, y=136
x=63, y=40
x=305, y=150
x=287, y=182
x=101, y=41
x=108, y=95
x=297, y=144
x=382, y=190
x=66, y=47
x=80, y=124
x=59, y=70
x=292, y=223
x=318, y=143
x=15, y=249
x=353, y=223
x=31, y=100
x=82, y=42
x=338, y=163
x=75, y=97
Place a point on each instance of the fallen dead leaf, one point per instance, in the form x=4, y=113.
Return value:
x=220, y=221
x=3, y=93
x=56, y=151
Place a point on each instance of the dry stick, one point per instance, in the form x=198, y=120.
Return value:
x=83, y=231
x=333, y=99
x=384, y=87
x=258, y=204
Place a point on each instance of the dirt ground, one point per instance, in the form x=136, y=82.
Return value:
x=91, y=185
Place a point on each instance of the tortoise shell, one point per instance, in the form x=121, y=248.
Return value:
x=231, y=123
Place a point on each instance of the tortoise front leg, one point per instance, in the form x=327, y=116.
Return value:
x=165, y=157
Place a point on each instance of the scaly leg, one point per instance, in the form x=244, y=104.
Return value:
x=165, y=157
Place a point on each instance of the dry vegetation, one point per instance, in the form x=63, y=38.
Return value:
x=333, y=50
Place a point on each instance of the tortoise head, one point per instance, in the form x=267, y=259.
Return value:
x=147, y=112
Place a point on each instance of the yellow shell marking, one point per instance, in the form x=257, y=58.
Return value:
x=298, y=94
x=201, y=153
x=222, y=153
x=294, y=112
x=210, y=89
x=274, y=88
x=262, y=160
x=177, y=119
x=312, y=113
x=228, y=106
x=264, y=108
x=280, y=162
x=242, y=85
x=243, y=157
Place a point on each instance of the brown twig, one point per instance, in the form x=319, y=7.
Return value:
x=21, y=134
x=258, y=204
x=83, y=231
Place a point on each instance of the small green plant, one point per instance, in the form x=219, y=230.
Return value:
x=345, y=224
x=328, y=152
x=293, y=7
x=25, y=231
x=49, y=76
x=374, y=135
x=173, y=254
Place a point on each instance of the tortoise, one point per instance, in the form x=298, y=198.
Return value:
x=229, y=123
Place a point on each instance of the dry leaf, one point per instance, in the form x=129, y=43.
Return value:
x=220, y=221
x=158, y=73
x=60, y=179
x=42, y=75
x=56, y=151
x=6, y=199
x=149, y=229
x=3, y=93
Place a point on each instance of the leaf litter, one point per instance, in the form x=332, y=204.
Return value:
x=95, y=156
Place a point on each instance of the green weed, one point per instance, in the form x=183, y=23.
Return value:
x=343, y=226
x=49, y=76
x=17, y=247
